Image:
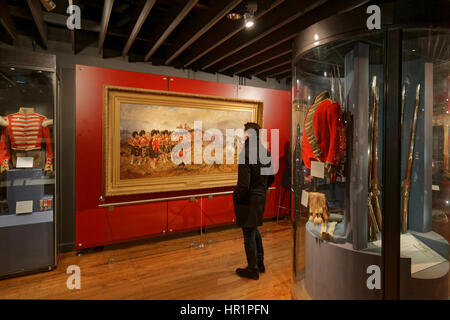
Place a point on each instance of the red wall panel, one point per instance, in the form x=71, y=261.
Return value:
x=183, y=215
x=202, y=87
x=97, y=226
x=218, y=210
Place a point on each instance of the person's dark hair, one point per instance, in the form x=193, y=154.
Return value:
x=135, y=133
x=252, y=125
x=142, y=132
x=153, y=132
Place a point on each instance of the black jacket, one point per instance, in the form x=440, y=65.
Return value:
x=250, y=193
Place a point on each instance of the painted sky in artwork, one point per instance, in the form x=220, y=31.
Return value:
x=135, y=117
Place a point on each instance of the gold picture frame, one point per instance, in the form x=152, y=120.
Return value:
x=114, y=97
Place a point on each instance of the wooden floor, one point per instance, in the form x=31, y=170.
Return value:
x=170, y=269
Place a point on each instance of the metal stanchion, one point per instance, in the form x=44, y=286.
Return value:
x=201, y=245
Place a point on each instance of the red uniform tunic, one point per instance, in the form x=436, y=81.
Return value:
x=323, y=133
x=155, y=145
x=143, y=142
x=26, y=132
x=133, y=142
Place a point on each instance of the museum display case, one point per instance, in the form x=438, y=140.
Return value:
x=28, y=95
x=369, y=154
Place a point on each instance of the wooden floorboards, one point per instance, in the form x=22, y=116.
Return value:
x=170, y=269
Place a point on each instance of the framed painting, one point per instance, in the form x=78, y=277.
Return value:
x=141, y=135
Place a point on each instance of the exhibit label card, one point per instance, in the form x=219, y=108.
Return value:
x=305, y=197
x=24, y=207
x=318, y=169
x=435, y=187
x=24, y=162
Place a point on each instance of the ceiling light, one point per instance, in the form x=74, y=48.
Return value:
x=316, y=37
x=325, y=73
x=316, y=43
x=48, y=4
x=249, y=20
x=249, y=16
x=234, y=16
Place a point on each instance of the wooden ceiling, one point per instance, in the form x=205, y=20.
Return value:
x=192, y=34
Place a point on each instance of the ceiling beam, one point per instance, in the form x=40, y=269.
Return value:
x=187, y=8
x=230, y=6
x=222, y=35
x=280, y=17
x=286, y=33
x=277, y=72
x=6, y=20
x=36, y=12
x=54, y=18
x=286, y=74
x=138, y=25
x=265, y=57
x=282, y=61
x=87, y=25
x=107, y=8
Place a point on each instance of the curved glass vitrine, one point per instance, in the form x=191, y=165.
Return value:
x=370, y=216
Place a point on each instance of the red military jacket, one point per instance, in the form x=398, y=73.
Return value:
x=25, y=132
x=323, y=133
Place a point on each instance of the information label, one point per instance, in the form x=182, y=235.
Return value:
x=24, y=207
x=318, y=169
x=24, y=162
x=305, y=197
x=435, y=187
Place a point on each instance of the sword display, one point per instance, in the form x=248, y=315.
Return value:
x=407, y=181
x=374, y=205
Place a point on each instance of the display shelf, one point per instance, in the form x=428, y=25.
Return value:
x=11, y=220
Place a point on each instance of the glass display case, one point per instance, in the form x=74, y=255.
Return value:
x=369, y=175
x=27, y=155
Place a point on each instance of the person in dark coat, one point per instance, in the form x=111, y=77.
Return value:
x=254, y=178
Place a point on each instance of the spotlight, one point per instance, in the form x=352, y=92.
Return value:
x=249, y=16
x=234, y=16
x=249, y=20
x=48, y=4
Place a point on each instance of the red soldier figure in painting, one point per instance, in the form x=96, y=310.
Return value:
x=148, y=147
x=134, y=144
x=143, y=147
x=154, y=149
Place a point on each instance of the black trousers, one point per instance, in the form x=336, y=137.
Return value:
x=253, y=247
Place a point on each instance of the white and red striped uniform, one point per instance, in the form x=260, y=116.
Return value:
x=26, y=132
